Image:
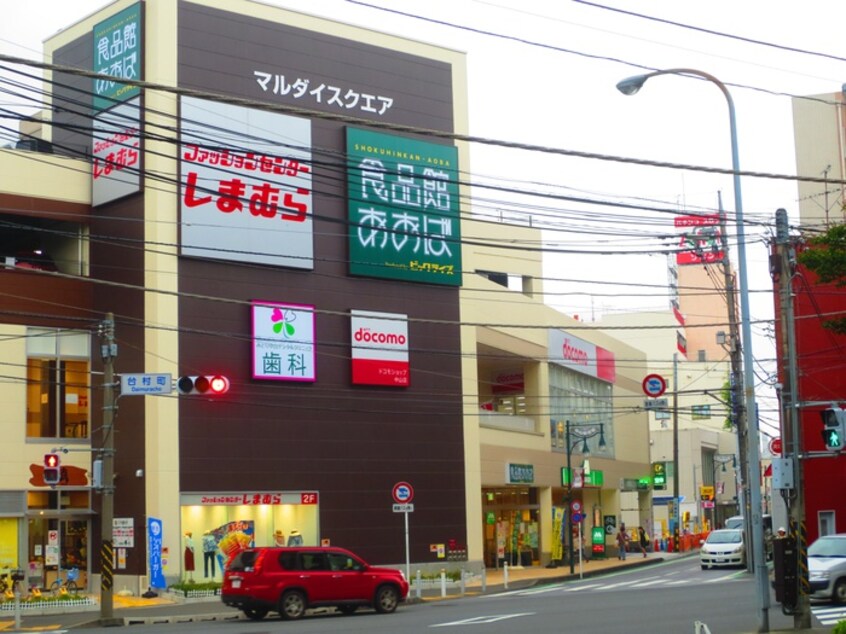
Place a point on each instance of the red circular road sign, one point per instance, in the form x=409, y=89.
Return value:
x=403, y=493
x=576, y=505
x=654, y=385
x=775, y=446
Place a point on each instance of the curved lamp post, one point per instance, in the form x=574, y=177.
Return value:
x=581, y=436
x=630, y=86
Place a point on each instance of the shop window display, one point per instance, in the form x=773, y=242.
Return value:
x=219, y=532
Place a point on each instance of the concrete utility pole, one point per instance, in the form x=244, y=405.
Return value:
x=108, y=351
x=790, y=428
x=737, y=411
x=676, y=489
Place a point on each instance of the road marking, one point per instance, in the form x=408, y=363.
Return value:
x=52, y=629
x=481, y=620
x=829, y=616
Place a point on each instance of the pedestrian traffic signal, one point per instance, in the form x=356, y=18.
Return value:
x=52, y=469
x=834, y=427
x=659, y=476
x=211, y=384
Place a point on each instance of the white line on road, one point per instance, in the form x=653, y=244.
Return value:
x=481, y=620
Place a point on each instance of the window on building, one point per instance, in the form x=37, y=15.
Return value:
x=57, y=378
x=586, y=402
x=700, y=412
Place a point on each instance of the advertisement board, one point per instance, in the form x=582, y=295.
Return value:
x=379, y=348
x=403, y=208
x=245, y=185
x=283, y=342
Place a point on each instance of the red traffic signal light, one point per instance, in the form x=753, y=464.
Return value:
x=52, y=469
x=211, y=384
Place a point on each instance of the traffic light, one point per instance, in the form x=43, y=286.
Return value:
x=834, y=426
x=52, y=469
x=659, y=476
x=212, y=384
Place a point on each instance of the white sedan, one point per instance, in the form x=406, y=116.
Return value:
x=725, y=547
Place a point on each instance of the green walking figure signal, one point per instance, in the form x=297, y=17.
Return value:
x=834, y=427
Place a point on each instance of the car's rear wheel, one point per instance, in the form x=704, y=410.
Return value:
x=839, y=594
x=292, y=605
x=347, y=609
x=255, y=614
x=387, y=599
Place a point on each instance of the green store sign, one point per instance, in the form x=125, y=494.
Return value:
x=117, y=52
x=403, y=208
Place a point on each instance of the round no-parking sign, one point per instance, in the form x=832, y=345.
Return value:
x=403, y=493
x=654, y=385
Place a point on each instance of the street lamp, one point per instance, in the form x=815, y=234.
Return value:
x=582, y=434
x=720, y=460
x=630, y=86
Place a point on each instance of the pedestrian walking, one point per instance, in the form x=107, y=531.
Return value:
x=642, y=539
x=622, y=542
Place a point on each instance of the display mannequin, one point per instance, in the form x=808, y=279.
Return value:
x=295, y=539
x=189, y=554
x=209, y=548
x=278, y=538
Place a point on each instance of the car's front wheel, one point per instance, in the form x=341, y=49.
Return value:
x=292, y=605
x=839, y=594
x=387, y=598
x=255, y=614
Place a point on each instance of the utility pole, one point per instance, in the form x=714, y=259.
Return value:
x=737, y=411
x=676, y=490
x=790, y=428
x=108, y=351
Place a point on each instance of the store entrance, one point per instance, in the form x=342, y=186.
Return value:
x=511, y=526
x=57, y=546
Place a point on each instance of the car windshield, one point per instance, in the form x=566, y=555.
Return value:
x=724, y=537
x=828, y=547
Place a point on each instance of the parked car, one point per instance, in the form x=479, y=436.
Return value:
x=292, y=580
x=724, y=547
x=736, y=521
x=827, y=568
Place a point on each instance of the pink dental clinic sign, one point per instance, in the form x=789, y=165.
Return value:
x=379, y=349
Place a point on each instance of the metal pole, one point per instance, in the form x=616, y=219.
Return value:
x=753, y=450
x=630, y=86
x=569, y=508
x=407, y=552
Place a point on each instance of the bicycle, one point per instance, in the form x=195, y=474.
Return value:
x=65, y=586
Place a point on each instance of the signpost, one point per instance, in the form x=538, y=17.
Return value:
x=403, y=494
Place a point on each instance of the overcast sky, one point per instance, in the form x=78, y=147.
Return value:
x=544, y=73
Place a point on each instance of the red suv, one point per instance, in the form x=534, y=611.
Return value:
x=292, y=580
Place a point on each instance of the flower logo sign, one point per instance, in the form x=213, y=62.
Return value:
x=283, y=342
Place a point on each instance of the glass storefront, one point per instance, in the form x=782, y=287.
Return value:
x=511, y=526
x=216, y=526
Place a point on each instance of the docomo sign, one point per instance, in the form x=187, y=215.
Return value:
x=581, y=356
x=379, y=348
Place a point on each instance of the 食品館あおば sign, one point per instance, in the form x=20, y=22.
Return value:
x=117, y=52
x=403, y=208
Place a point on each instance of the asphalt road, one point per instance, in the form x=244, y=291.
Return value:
x=669, y=597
